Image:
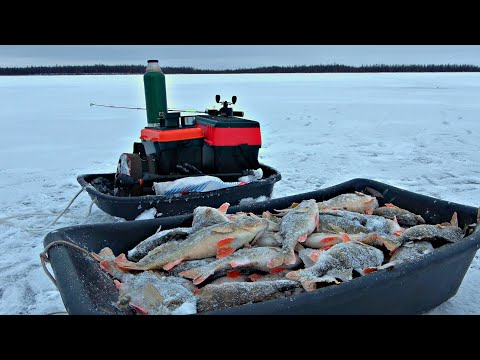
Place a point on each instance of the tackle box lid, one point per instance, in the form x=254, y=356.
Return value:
x=156, y=135
x=226, y=122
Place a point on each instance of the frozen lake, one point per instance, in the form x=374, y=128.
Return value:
x=419, y=132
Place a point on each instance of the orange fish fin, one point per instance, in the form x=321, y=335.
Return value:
x=123, y=263
x=226, y=241
x=224, y=207
x=390, y=205
x=302, y=238
x=277, y=270
x=118, y=284
x=369, y=270
x=328, y=239
x=172, y=264
x=233, y=274
x=255, y=277
x=345, y=237
x=138, y=309
x=224, y=252
x=313, y=255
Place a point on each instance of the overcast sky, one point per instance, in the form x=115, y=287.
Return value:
x=234, y=56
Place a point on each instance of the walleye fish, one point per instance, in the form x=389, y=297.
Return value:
x=404, y=217
x=258, y=258
x=437, y=235
x=295, y=227
x=157, y=239
x=215, y=297
x=411, y=251
x=204, y=216
x=357, y=202
x=220, y=240
x=150, y=294
x=337, y=262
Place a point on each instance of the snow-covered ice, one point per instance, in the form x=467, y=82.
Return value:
x=419, y=132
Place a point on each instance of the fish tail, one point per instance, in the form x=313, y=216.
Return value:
x=198, y=275
x=124, y=264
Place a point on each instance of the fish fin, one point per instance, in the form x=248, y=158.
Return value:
x=196, y=291
x=231, y=217
x=309, y=285
x=226, y=241
x=241, y=262
x=172, y=264
x=223, y=230
x=158, y=230
x=395, y=220
x=293, y=275
x=123, y=263
x=369, y=270
x=390, y=205
x=106, y=266
x=345, y=237
x=398, y=232
x=290, y=258
x=454, y=220
x=327, y=247
x=277, y=270
x=224, y=252
x=368, y=211
x=255, y=277
x=374, y=192
x=302, y=238
x=152, y=295
x=250, y=226
x=233, y=274
x=328, y=239
x=314, y=255
x=138, y=309
x=224, y=207
x=118, y=284
x=360, y=193
x=276, y=261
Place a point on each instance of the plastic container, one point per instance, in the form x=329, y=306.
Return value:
x=172, y=147
x=130, y=207
x=231, y=143
x=410, y=288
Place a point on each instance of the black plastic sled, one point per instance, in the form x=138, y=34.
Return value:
x=130, y=207
x=410, y=288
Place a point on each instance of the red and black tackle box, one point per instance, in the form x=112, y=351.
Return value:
x=167, y=148
x=231, y=144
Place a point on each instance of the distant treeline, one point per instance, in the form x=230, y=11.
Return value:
x=140, y=69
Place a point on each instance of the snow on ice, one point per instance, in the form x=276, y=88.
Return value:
x=415, y=131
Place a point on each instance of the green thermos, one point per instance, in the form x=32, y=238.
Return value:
x=155, y=94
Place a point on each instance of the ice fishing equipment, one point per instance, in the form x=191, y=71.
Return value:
x=213, y=142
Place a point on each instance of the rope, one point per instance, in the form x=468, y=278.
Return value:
x=45, y=259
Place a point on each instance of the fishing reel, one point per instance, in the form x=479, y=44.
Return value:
x=225, y=110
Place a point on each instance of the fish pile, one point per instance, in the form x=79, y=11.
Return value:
x=227, y=260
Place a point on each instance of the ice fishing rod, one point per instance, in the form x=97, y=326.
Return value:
x=214, y=112
x=139, y=108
